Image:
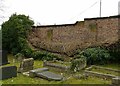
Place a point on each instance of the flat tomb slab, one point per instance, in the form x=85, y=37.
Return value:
x=33, y=73
x=50, y=76
x=39, y=70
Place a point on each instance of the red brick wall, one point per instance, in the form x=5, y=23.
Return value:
x=67, y=38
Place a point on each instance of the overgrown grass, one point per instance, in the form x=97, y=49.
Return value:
x=105, y=71
x=21, y=79
x=113, y=66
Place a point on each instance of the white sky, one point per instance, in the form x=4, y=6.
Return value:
x=59, y=11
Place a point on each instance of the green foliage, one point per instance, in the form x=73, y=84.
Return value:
x=114, y=50
x=95, y=55
x=19, y=55
x=76, y=63
x=44, y=56
x=14, y=33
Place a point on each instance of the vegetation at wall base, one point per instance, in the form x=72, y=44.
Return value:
x=94, y=55
x=76, y=63
x=114, y=50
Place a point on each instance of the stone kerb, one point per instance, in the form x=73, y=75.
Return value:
x=26, y=65
x=58, y=66
x=109, y=69
x=101, y=75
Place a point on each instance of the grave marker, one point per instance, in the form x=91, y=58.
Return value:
x=26, y=65
x=3, y=57
x=8, y=72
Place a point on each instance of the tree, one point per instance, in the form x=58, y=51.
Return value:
x=14, y=33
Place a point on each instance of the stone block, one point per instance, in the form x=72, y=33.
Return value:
x=8, y=72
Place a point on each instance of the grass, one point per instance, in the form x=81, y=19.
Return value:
x=113, y=66
x=21, y=79
x=105, y=71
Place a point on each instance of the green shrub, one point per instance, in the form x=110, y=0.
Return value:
x=44, y=56
x=95, y=55
x=114, y=50
x=77, y=64
x=19, y=55
x=27, y=52
x=14, y=37
x=37, y=55
x=14, y=33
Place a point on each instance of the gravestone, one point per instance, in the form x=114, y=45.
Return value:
x=3, y=57
x=45, y=73
x=8, y=72
x=33, y=73
x=50, y=76
x=26, y=65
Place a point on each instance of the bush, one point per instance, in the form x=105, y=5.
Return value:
x=27, y=52
x=37, y=55
x=114, y=50
x=44, y=56
x=95, y=55
x=19, y=55
x=78, y=64
x=14, y=37
x=14, y=33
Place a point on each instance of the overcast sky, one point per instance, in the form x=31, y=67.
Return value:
x=59, y=11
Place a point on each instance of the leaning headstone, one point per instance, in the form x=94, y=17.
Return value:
x=26, y=65
x=50, y=76
x=33, y=73
x=3, y=57
x=8, y=72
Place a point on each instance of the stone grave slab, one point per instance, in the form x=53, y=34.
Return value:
x=50, y=76
x=3, y=57
x=8, y=72
x=33, y=73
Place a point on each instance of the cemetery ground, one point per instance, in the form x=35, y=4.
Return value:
x=22, y=79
